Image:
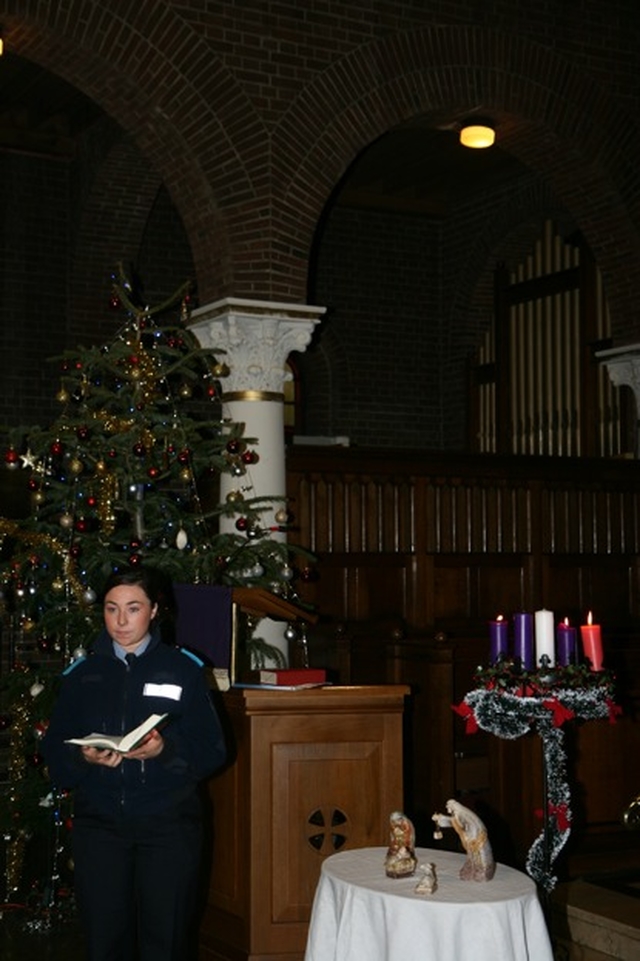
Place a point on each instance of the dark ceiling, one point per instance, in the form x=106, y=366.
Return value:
x=417, y=168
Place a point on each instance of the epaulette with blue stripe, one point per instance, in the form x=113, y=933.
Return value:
x=73, y=665
x=194, y=657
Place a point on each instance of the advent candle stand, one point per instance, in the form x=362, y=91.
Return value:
x=544, y=705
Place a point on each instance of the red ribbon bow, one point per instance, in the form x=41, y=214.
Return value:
x=465, y=712
x=560, y=712
x=614, y=711
x=560, y=812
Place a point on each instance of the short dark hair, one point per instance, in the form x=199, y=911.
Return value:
x=153, y=583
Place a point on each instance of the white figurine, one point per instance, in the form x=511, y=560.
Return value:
x=428, y=883
x=480, y=865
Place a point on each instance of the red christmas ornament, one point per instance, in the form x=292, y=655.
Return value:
x=114, y=302
x=153, y=472
x=92, y=500
x=135, y=560
x=56, y=448
x=183, y=456
x=11, y=457
x=234, y=446
x=82, y=433
x=138, y=450
x=242, y=523
x=250, y=457
x=81, y=525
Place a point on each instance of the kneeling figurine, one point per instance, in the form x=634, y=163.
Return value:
x=480, y=865
x=400, y=860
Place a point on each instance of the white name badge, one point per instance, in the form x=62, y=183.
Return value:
x=172, y=691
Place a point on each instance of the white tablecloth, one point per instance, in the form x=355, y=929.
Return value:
x=359, y=914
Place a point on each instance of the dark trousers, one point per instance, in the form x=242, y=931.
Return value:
x=136, y=885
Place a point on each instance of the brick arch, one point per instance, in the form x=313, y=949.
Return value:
x=166, y=89
x=450, y=71
x=114, y=215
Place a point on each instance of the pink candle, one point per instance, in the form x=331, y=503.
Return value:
x=566, y=643
x=592, y=643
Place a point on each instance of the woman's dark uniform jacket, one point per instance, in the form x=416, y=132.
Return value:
x=105, y=694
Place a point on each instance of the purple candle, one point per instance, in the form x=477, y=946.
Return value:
x=566, y=643
x=498, y=639
x=523, y=640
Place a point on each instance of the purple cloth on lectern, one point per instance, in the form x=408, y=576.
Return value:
x=203, y=621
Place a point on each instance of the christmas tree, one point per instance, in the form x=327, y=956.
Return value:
x=127, y=474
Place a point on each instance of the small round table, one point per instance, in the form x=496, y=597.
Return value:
x=359, y=913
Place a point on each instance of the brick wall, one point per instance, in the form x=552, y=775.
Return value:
x=33, y=279
x=227, y=128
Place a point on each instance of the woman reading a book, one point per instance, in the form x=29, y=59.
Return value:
x=137, y=835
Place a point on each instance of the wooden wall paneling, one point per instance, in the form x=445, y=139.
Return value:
x=604, y=584
x=427, y=667
x=475, y=588
x=515, y=795
x=447, y=542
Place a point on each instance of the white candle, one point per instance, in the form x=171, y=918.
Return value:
x=545, y=639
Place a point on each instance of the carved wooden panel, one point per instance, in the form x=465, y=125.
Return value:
x=315, y=771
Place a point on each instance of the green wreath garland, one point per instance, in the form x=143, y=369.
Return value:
x=510, y=705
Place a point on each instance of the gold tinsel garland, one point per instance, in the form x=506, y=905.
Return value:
x=34, y=539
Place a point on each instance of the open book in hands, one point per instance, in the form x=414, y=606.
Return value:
x=125, y=743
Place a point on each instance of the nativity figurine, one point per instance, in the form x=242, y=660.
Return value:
x=480, y=864
x=428, y=882
x=400, y=860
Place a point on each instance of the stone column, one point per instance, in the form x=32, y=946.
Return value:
x=257, y=336
x=623, y=367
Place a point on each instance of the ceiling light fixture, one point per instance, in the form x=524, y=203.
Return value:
x=478, y=134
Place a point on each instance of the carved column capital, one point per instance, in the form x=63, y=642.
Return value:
x=257, y=336
x=623, y=367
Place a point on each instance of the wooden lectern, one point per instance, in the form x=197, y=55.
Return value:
x=314, y=771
